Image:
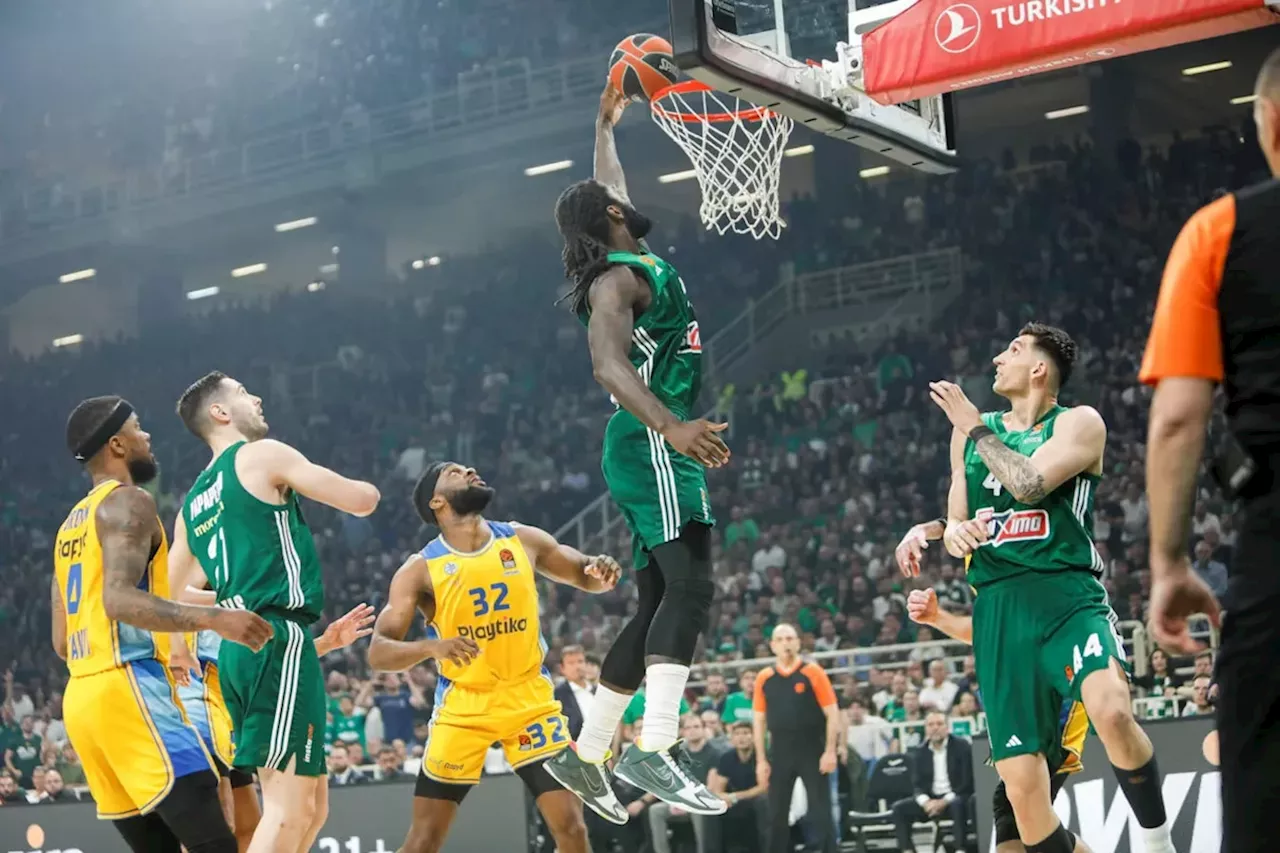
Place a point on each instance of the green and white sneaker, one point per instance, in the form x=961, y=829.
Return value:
x=668, y=775
x=592, y=783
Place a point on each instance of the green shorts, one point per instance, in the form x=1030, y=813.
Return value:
x=1036, y=638
x=276, y=700
x=657, y=490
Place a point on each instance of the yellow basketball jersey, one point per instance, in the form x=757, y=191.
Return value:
x=490, y=596
x=95, y=642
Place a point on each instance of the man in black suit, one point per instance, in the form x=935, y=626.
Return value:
x=576, y=693
x=942, y=772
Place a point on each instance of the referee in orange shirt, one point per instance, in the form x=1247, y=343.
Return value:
x=1217, y=321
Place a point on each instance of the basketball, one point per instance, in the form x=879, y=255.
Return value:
x=642, y=66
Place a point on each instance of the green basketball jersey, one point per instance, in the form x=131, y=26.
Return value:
x=257, y=556
x=666, y=346
x=1052, y=536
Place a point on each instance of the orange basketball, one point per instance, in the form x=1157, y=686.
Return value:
x=642, y=66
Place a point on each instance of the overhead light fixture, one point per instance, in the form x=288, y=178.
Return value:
x=328, y=269
x=419, y=263
x=78, y=275
x=69, y=340
x=672, y=177
x=548, y=168
x=315, y=286
x=874, y=172
x=295, y=224
x=252, y=269
x=1067, y=112
x=1244, y=99
x=1205, y=69
x=433, y=261
x=798, y=151
x=202, y=293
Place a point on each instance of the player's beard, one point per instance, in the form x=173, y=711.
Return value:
x=251, y=425
x=637, y=223
x=143, y=469
x=470, y=501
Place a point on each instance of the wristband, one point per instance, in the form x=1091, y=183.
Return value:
x=942, y=519
x=980, y=432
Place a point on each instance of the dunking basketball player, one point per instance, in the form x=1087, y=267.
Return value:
x=647, y=352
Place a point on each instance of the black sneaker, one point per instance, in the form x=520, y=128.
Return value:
x=593, y=783
x=668, y=775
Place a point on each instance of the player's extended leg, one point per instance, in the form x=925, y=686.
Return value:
x=561, y=809
x=434, y=805
x=1105, y=693
x=1027, y=784
x=1005, y=827
x=317, y=821
x=288, y=810
x=248, y=811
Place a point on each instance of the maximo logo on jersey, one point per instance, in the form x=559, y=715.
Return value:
x=1023, y=525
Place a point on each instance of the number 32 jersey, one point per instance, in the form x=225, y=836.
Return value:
x=1052, y=536
x=490, y=596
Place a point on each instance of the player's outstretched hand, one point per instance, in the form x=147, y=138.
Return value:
x=963, y=538
x=612, y=103
x=910, y=551
x=1178, y=593
x=922, y=606
x=699, y=440
x=349, y=627
x=244, y=627
x=949, y=397
x=457, y=650
x=604, y=569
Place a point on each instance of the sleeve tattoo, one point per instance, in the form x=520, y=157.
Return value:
x=1014, y=471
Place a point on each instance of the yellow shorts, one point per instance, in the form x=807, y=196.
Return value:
x=207, y=711
x=525, y=718
x=132, y=737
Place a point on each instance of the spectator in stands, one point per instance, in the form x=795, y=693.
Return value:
x=390, y=767
x=10, y=790
x=348, y=721
x=55, y=790
x=966, y=705
x=69, y=767
x=953, y=593
x=939, y=692
x=968, y=680
x=745, y=825
x=942, y=775
x=1200, y=704
x=715, y=693
x=397, y=700
x=737, y=706
x=22, y=752
x=715, y=729
x=575, y=693
x=341, y=770
x=889, y=702
x=1161, y=680
x=1212, y=571
x=702, y=757
x=867, y=735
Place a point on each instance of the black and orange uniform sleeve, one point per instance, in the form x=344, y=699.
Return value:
x=758, y=702
x=822, y=689
x=792, y=701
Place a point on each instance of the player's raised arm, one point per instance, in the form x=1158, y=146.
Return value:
x=411, y=590
x=963, y=535
x=287, y=467
x=916, y=541
x=1079, y=439
x=129, y=533
x=616, y=297
x=567, y=565
x=608, y=168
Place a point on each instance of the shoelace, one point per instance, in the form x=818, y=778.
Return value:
x=683, y=764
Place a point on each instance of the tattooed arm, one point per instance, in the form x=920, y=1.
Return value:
x=1079, y=439
x=59, y=620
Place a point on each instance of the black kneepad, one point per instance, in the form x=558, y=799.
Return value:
x=1059, y=841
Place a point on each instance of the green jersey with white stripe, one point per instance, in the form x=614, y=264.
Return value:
x=256, y=555
x=1054, y=535
x=666, y=345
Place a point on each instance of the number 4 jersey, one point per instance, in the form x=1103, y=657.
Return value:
x=1052, y=536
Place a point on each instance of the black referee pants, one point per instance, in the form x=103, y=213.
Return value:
x=790, y=762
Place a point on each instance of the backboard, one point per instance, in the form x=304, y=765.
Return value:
x=803, y=59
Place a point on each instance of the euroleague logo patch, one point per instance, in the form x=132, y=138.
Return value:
x=1023, y=525
x=957, y=29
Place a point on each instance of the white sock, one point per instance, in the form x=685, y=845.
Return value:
x=598, y=728
x=1157, y=840
x=663, y=690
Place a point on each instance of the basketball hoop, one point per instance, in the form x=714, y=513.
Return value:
x=736, y=149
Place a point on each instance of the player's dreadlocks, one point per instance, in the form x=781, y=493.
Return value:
x=584, y=223
x=1056, y=344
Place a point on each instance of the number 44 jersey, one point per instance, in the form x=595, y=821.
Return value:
x=1054, y=535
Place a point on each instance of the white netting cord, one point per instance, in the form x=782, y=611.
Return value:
x=738, y=162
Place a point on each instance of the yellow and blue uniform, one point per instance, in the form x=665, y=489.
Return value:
x=203, y=701
x=121, y=708
x=505, y=695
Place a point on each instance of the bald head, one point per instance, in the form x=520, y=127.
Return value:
x=1269, y=78
x=785, y=642
x=1266, y=111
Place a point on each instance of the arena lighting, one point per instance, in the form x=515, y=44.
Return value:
x=78, y=275
x=1244, y=99
x=1205, y=69
x=672, y=177
x=294, y=225
x=202, y=293
x=798, y=151
x=328, y=269
x=252, y=269
x=1066, y=112
x=874, y=172
x=315, y=286
x=433, y=261
x=69, y=340
x=548, y=168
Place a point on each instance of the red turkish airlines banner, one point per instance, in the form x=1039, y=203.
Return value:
x=942, y=45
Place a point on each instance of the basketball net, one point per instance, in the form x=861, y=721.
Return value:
x=736, y=149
